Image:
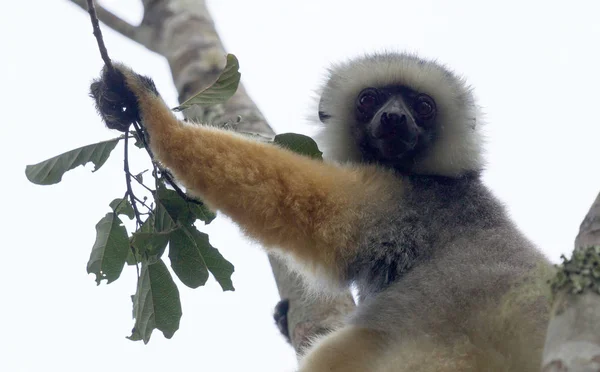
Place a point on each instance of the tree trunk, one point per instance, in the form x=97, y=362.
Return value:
x=573, y=338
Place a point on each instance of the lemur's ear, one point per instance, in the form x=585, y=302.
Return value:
x=323, y=116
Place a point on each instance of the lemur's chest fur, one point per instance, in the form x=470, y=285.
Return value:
x=425, y=218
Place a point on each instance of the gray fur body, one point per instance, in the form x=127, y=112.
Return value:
x=444, y=247
x=428, y=221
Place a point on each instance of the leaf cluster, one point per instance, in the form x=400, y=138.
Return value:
x=168, y=223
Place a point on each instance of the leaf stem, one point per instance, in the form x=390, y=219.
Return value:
x=132, y=197
x=141, y=183
x=142, y=203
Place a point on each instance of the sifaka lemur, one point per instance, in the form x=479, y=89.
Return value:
x=446, y=281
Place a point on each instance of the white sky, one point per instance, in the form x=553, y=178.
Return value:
x=534, y=66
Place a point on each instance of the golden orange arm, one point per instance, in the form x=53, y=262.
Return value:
x=305, y=207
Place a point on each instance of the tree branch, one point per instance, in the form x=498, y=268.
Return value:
x=135, y=33
x=98, y=34
x=130, y=193
x=589, y=231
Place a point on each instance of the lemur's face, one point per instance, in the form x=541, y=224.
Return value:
x=394, y=124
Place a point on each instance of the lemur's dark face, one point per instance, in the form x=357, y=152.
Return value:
x=394, y=125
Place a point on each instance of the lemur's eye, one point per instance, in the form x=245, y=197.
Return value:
x=424, y=106
x=367, y=101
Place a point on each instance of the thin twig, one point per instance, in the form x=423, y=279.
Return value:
x=137, y=266
x=142, y=184
x=155, y=172
x=138, y=219
x=178, y=189
x=142, y=203
x=135, y=33
x=98, y=34
x=131, y=247
x=142, y=136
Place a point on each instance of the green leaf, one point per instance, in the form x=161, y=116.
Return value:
x=186, y=260
x=218, y=266
x=156, y=304
x=133, y=259
x=201, y=212
x=147, y=227
x=120, y=206
x=179, y=210
x=51, y=171
x=140, y=176
x=150, y=244
x=221, y=90
x=191, y=254
x=176, y=209
x=163, y=220
x=299, y=143
x=110, y=249
x=139, y=143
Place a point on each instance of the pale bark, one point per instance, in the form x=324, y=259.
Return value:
x=573, y=339
x=184, y=33
x=308, y=317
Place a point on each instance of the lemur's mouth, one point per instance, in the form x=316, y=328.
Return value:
x=396, y=148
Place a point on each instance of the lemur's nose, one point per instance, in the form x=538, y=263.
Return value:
x=389, y=124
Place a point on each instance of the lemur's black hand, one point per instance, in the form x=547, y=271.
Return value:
x=280, y=317
x=115, y=101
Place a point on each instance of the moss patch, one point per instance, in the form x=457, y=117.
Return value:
x=579, y=273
